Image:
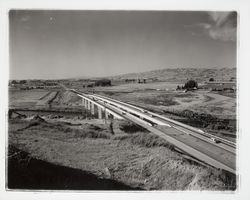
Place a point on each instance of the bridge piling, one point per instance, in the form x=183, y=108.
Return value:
x=89, y=105
x=92, y=108
x=106, y=114
x=85, y=103
x=99, y=113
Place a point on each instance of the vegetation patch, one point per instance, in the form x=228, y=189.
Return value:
x=159, y=100
x=129, y=127
x=90, y=131
x=147, y=140
x=203, y=120
x=204, y=179
x=185, y=95
x=90, y=134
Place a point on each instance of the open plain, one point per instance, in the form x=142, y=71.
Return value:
x=55, y=143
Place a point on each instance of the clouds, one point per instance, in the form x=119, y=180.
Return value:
x=223, y=25
x=219, y=26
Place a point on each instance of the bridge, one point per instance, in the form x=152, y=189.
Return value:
x=204, y=147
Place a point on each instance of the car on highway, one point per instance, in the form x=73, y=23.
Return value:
x=215, y=140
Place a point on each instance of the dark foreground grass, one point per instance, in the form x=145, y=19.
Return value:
x=140, y=160
x=25, y=172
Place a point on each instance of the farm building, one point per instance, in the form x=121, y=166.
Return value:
x=220, y=86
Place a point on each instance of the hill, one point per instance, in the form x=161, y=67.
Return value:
x=182, y=74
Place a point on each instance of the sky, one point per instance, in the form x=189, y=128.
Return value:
x=54, y=44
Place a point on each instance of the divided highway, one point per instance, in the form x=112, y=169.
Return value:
x=203, y=146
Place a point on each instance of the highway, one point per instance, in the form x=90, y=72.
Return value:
x=205, y=147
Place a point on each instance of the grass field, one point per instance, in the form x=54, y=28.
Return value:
x=26, y=95
x=137, y=159
x=25, y=98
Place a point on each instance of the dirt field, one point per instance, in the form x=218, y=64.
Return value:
x=30, y=98
x=22, y=98
x=65, y=139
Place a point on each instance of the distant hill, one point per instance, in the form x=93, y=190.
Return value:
x=182, y=74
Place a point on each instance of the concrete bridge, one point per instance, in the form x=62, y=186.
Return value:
x=203, y=146
x=101, y=109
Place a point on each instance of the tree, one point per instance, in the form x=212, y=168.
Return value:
x=14, y=82
x=23, y=82
x=191, y=84
x=103, y=82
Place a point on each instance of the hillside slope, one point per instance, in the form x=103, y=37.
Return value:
x=182, y=74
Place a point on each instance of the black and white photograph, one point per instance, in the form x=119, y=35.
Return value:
x=122, y=100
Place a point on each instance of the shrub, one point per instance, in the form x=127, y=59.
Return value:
x=147, y=140
x=191, y=84
x=131, y=128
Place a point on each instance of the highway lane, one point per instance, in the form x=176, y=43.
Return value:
x=215, y=152
x=184, y=139
x=228, y=145
x=205, y=138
